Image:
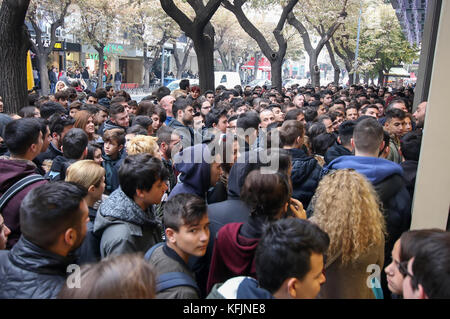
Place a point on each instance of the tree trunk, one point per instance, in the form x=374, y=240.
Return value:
x=223, y=58
x=101, y=61
x=380, y=78
x=314, y=69
x=337, y=70
x=14, y=44
x=181, y=65
x=357, y=78
x=204, y=49
x=351, y=77
x=43, y=70
x=275, y=68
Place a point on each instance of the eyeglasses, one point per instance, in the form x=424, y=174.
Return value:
x=403, y=268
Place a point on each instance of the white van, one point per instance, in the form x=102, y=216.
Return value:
x=227, y=79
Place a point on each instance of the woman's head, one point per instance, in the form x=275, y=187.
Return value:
x=95, y=153
x=88, y=174
x=85, y=121
x=267, y=194
x=347, y=208
x=143, y=144
x=404, y=249
x=60, y=86
x=118, y=277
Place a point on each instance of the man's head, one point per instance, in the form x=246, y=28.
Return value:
x=187, y=225
x=23, y=138
x=346, y=134
x=184, y=84
x=119, y=115
x=143, y=179
x=296, y=115
x=326, y=120
x=169, y=142
x=428, y=272
x=167, y=104
x=92, y=98
x=59, y=126
x=410, y=145
x=217, y=119
x=291, y=134
x=54, y=217
x=326, y=97
x=206, y=107
x=368, y=137
x=209, y=95
x=395, y=122
x=351, y=113
x=398, y=104
x=371, y=110
x=419, y=114
x=74, y=144
x=109, y=91
x=183, y=111
x=62, y=97
x=267, y=117
x=297, y=247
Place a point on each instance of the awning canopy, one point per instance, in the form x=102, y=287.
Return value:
x=263, y=65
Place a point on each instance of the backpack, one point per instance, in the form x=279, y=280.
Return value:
x=171, y=279
x=17, y=187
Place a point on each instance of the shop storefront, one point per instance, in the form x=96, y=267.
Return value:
x=66, y=55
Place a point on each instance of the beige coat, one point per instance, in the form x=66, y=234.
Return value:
x=350, y=281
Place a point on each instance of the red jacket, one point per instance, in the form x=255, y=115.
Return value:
x=233, y=255
x=11, y=171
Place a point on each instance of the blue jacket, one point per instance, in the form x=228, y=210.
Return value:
x=387, y=179
x=195, y=172
x=305, y=176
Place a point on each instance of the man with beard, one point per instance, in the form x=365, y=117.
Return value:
x=183, y=120
x=419, y=114
x=53, y=220
x=169, y=145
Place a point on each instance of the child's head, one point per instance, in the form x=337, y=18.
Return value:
x=114, y=141
x=187, y=225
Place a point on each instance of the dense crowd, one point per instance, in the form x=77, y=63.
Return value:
x=244, y=193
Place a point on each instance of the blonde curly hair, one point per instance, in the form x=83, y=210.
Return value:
x=143, y=144
x=348, y=209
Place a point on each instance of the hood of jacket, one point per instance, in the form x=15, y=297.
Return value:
x=245, y=164
x=12, y=170
x=29, y=256
x=375, y=169
x=237, y=252
x=242, y=287
x=194, y=165
x=335, y=151
x=117, y=208
x=302, y=165
x=60, y=165
x=108, y=125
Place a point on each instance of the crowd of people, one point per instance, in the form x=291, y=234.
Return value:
x=246, y=193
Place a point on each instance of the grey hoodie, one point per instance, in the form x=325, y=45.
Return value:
x=124, y=227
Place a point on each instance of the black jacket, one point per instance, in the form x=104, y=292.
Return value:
x=305, y=176
x=336, y=151
x=409, y=175
x=27, y=271
x=89, y=251
x=59, y=167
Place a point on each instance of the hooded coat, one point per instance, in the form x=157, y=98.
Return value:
x=195, y=177
x=30, y=272
x=124, y=227
x=11, y=171
x=305, y=176
x=185, y=131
